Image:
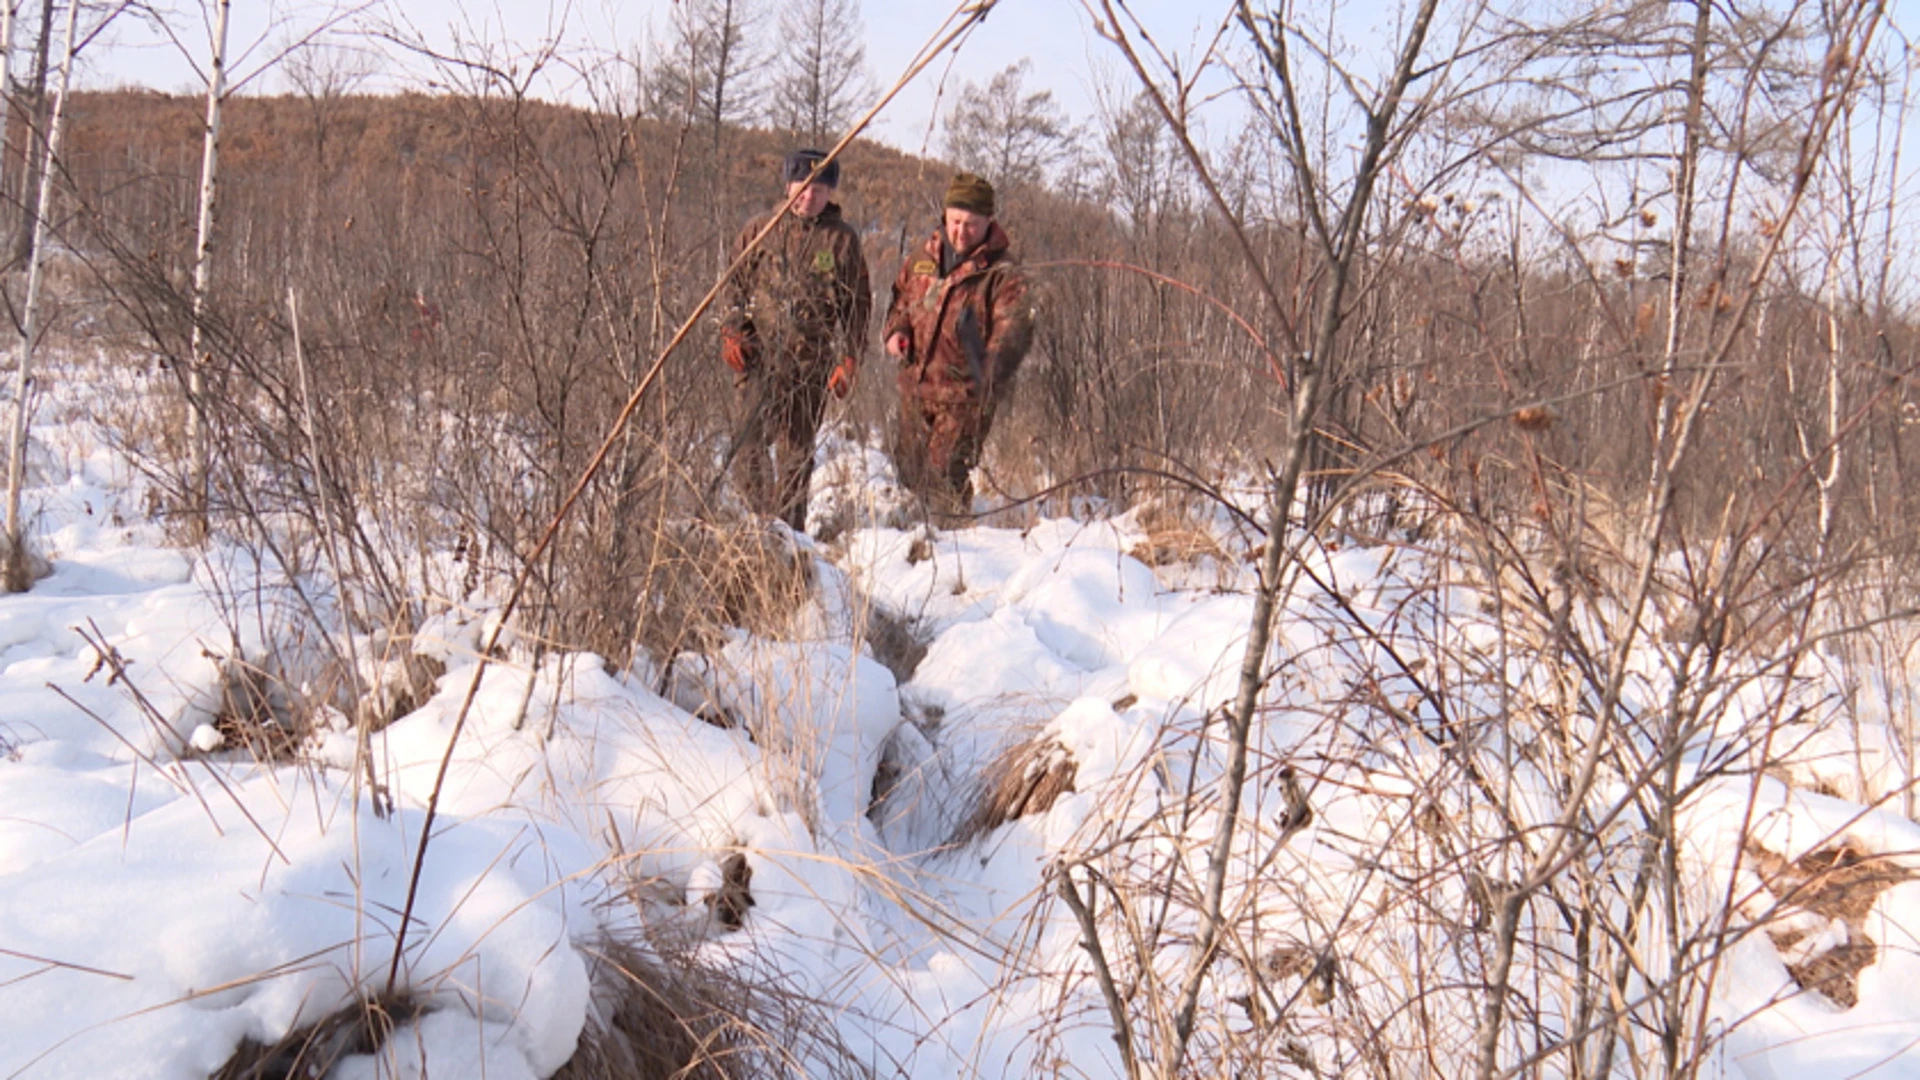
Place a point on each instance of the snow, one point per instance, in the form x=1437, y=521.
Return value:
x=165, y=898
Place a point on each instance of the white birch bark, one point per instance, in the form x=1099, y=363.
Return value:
x=18, y=578
x=197, y=434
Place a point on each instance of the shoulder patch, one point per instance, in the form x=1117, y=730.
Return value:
x=925, y=266
x=823, y=262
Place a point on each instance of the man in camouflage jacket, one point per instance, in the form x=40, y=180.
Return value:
x=960, y=323
x=803, y=292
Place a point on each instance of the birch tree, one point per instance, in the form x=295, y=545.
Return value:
x=197, y=436
x=219, y=86
x=19, y=562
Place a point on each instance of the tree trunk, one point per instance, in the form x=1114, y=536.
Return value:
x=8, y=10
x=36, y=97
x=18, y=574
x=197, y=358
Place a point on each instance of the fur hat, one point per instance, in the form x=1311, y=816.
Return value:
x=970, y=192
x=799, y=165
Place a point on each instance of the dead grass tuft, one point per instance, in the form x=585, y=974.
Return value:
x=706, y=577
x=362, y=1027
x=1839, y=884
x=659, y=1017
x=654, y=1021
x=22, y=566
x=1173, y=539
x=1027, y=778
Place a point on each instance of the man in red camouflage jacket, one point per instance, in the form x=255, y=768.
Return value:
x=804, y=290
x=960, y=323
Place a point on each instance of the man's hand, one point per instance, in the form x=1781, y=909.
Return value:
x=737, y=349
x=899, y=345
x=841, y=381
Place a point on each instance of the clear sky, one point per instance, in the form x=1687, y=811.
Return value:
x=1068, y=58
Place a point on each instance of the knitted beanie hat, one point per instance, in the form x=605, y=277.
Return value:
x=799, y=165
x=970, y=192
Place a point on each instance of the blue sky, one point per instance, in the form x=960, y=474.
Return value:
x=1055, y=34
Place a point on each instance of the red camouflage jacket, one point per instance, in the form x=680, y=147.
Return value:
x=970, y=327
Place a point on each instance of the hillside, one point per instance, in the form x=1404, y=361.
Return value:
x=376, y=146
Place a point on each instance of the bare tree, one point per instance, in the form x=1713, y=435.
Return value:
x=17, y=569
x=32, y=97
x=819, y=69
x=219, y=86
x=202, y=270
x=1139, y=165
x=706, y=71
x=1005, y=132
x=9, y=10
x=322, y=74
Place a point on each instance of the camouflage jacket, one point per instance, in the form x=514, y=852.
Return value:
x=806, y=281
x=971, y=325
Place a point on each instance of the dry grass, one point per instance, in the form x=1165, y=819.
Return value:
x=21, y=565
x=1839, y=883
x=1175, y=539
x=268, y=713
x=653, y=1021
x=706, y=578
x=661, y=1018
x=1027, y=778
x=362, y=1027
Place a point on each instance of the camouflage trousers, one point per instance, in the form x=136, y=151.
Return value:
x=780, y=408
x=935, y=446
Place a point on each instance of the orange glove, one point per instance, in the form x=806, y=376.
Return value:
x=841, y=381
x=737, y=349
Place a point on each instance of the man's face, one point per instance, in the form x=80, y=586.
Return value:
x=812, y=198
x=965, y=229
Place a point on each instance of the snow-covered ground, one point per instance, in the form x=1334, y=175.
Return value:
x=163, y=900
